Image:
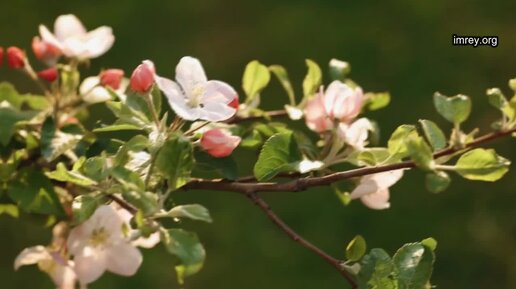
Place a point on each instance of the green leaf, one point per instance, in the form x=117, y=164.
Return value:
x=378, y=100
x=255, y=79
x=83, y=207
x=420, y=152
x=281, y=74
x=482, y=165
x=117, y=127
x=54, y=143
x=187, y=247
x=433, y=134
x=146, y=202
x=313, y=78
x=280, y=153
x=339, y=69
x=227, y=166
x=455, y=109
x=437, y=182
x=64, y=175
x=397, y=142
x=191, y=211
x=496, y=98
x=512, y=84
x=356, y=249
x=34, y=193
x=175, y=161
x=9, y=116
x=414, y=263
x=377, y=271
x=430, y=243
x=9, y=209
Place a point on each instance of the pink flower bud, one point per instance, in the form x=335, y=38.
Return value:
x=49, y=74
x=15, y=57
x=315, y=115
x=45, y=51
x=219, y=143
x=142, y=78
x=1, y=56
x=342, y=101
x=111, y=78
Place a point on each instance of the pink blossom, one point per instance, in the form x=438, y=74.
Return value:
x=111, y=77
x=373, y=190
x=45, y=51
x=219, y=143
x=315, y=115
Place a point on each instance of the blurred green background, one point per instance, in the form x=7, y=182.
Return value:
x=402, y=46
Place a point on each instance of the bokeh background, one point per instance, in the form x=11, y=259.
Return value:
x=401, y=46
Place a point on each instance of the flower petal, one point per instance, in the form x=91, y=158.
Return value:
x=189, y=73
x=387, y=179
x=90, y=264
x=364, y=188
x=378, y=200
x=356, y=133
x=98, y=41
x=48, y=37
x=68, y=26
x=216, y=111
x=31, y=256
x=149, y=242
x=123, y=259
x=176, y=99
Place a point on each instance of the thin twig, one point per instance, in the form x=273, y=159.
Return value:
x=123, y=204
x=302, y=184
x=267, y=114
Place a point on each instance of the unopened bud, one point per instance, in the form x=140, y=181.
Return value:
x=45, y=51
x=49, y=74
x=111, y=78
x=15, y=57
x=142, y=78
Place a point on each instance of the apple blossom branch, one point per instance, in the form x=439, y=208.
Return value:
x=250, y=189
x=302, y=184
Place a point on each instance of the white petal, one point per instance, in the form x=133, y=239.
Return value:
x=378, y=200
x=364, y=188
x=387, y=179
x=294, y=113
x=306, y=166
x=149, y=242
x=330, y=96
x=218, y=91
x=31, y=256
x=356, y=133
x=98, y=41
x=68, y=26
x=123, y=259
x=48, y=37
x=176, y=99
x=90, y=264
x=216, y=111
x=97, y=94
x=189, y=73
x=63, y=276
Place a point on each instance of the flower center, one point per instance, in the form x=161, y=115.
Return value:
x=98, y=237
x=195, y=96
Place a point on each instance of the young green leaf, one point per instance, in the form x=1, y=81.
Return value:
x=414, y=263
x=255, y=79
x=496, y=98
x=62, y=174
x=146, y=202
x=430, y=243
x=455, y=109
x=356, y=249
x=437, y=182
x=281, y=74
x=9, y=209
x=397, y=142
x=313, y=78
x=9, y=116
x=377, y=271
x=191, y=211
x=378, y=100
x=280, y=153
x=433, y=134
x=420, y=152
x=339, y=69
x=482, y=165
x=175, y=161
x=185, y=246
x=512, y=84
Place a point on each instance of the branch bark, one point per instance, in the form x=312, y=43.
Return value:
x=267, y=114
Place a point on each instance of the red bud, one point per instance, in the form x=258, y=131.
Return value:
x=49, y=74
x=15, y=57
x=45, y=51
x=142, y=78
x=111, y=78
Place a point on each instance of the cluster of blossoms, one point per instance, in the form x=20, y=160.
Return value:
x=106, y=242
x=335, y=111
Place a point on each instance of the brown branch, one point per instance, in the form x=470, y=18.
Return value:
x=302, y=184
x=267, y=114
x=336, y=263
x=123, y=204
